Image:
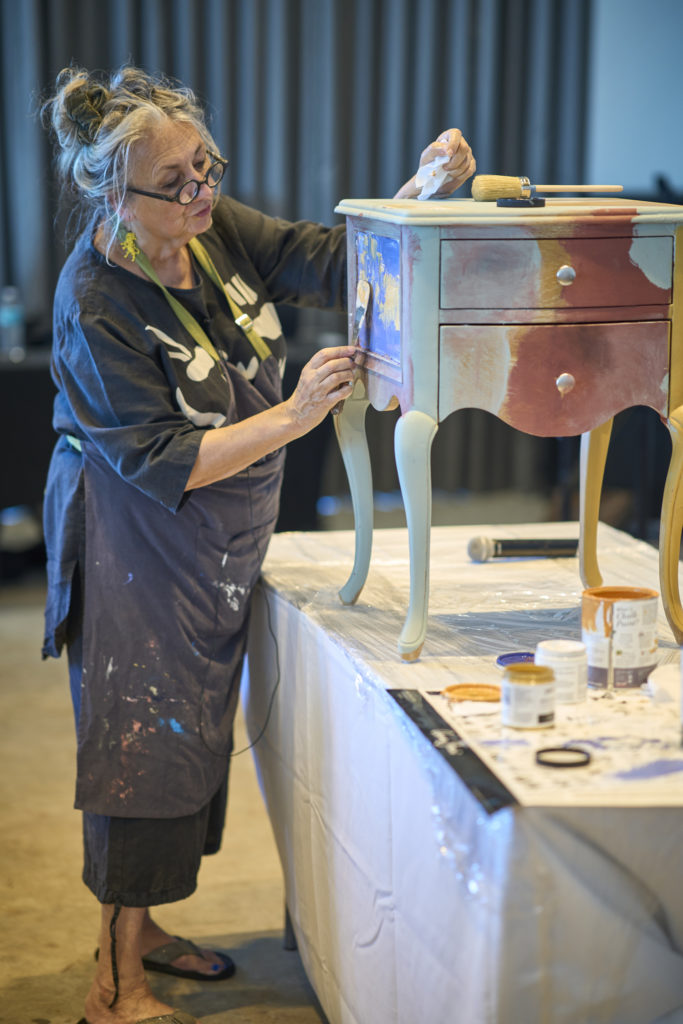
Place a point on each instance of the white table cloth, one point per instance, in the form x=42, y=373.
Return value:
x=433, y=872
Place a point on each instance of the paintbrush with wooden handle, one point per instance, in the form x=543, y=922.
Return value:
x=490, y=187
x=363, y=293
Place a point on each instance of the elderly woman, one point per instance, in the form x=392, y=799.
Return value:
x=163, y=488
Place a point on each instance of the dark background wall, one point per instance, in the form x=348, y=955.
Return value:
x=312, y=101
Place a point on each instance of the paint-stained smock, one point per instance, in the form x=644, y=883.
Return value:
x=167, y=573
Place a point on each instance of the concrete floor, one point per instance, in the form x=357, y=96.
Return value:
x=50, y=919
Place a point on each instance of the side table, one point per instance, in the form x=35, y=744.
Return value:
x=552, y=318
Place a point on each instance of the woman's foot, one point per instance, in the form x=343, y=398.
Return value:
x=133, y=1005
x=120, y=993
x=207, y=962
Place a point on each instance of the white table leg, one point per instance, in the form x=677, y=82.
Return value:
x=413, y=438
x=594, y=445
x=349, y=425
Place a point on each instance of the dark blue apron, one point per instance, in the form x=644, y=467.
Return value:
x=166, y=604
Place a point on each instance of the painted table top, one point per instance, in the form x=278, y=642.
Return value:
x=454, y=211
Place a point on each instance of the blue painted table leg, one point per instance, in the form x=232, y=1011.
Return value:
x=413, y=438
x=349, y=425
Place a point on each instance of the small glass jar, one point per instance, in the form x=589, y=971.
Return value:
x=528, y=696
x=569, y=661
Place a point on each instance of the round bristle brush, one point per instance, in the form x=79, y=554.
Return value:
x=489, y=187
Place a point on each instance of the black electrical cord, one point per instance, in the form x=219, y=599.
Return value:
x=277, y=679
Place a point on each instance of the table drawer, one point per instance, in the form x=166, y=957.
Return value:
x=554, y=380
x=528, y=273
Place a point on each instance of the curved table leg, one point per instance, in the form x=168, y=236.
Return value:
x=670, y=528
x=349, y=425
x=594, y=447
x=413, y=438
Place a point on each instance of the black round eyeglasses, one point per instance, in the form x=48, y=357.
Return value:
x=189, y=190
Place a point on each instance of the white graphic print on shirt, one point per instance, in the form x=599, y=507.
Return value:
x=198, y=362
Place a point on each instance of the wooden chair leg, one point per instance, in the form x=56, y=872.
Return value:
x=289, y=938
x=671, y=526
x=594, y=447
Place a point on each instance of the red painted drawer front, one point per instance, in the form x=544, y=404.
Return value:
x=512, y=372
x=521, y=274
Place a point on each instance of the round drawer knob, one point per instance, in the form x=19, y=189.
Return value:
x=565, y=382
x=566, y=275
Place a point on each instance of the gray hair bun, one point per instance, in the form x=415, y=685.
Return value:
x=83, y=102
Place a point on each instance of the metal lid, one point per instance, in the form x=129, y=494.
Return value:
x=528, y=674
x=560, y=649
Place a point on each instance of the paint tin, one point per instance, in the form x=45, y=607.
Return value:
x=569, y=662
x=528, y=696
x=619, y=629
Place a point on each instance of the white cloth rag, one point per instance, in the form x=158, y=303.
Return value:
x=430, y=177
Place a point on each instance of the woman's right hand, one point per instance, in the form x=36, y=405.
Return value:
x=327, y=378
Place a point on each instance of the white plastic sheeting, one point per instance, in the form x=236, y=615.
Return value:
x=413, y=902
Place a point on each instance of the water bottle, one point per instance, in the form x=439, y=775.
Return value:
x=12, y=325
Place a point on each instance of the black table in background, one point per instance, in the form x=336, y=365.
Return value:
x=26, y=397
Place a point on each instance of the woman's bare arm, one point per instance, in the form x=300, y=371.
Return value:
x=326, y=379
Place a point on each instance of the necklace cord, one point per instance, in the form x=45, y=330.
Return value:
x=132, y=251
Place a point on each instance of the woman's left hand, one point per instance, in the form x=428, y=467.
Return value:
x=459, y=164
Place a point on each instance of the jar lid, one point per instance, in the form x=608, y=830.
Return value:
x=529, y=674
x=561, y=648
x=513, y=658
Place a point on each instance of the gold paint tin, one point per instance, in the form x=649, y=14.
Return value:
x=528, y=696
x=619, y=629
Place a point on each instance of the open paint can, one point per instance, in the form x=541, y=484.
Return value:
x=619, y=629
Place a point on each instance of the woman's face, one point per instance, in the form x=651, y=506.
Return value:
x=172, y=155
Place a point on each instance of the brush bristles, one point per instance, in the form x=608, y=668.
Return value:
x=489, y=187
